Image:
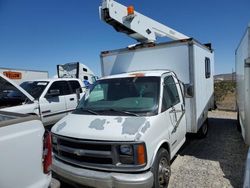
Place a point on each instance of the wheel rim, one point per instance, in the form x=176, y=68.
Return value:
x=163, y=172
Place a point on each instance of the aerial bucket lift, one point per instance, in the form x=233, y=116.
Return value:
x=137, y=26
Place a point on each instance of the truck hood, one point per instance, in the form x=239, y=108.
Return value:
x=7, y=80
x=115, y=128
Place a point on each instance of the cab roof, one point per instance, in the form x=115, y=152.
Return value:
x=156, y=73
x=51, y=79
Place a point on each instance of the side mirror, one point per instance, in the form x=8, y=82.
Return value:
x=189, y=90
x=53, y=93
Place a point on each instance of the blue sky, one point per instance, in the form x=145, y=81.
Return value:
x=39, y=34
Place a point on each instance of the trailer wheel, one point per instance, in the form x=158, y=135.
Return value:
x=161, y=169
x=202, y=133
x=238, y=121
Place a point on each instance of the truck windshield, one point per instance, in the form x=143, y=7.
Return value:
x=123, y=96
x=34, y=88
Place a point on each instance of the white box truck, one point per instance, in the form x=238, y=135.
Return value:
x=21, y=75
x=127, y=129
x=133, y=121
x=242, y=66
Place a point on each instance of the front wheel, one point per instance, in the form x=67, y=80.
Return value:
x=161, y=169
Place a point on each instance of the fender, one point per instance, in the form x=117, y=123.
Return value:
x=163, y=143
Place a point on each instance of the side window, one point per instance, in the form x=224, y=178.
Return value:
x=93, y=79
x=98, y=93
x=62, y=86
x=74, y=86
x=170, y=93
x=207, y=68
x=85, y=78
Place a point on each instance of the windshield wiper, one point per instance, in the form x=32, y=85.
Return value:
x=88, y=110
x=124, y=112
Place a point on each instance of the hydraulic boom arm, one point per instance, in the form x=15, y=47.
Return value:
x=141, y=28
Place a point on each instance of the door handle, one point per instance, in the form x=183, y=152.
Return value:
x=71, y=99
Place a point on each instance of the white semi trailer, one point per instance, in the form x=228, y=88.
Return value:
x=76, y=70
x=21, y=75
x=242, y=64
x=133, y=121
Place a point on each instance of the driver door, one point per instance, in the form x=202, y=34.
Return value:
x=173, y=107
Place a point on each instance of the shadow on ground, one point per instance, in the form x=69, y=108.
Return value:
x=223, y=145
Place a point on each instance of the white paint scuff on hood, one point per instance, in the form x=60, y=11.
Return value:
x=115, y=128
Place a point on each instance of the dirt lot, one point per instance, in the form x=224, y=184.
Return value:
x=216, y=161
x=225, y=98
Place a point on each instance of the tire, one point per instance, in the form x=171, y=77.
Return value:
x=202, y=133
x=161, y=169
x=238, y=122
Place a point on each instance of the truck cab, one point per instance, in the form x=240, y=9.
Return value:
x=133, y=122
x=50, y=99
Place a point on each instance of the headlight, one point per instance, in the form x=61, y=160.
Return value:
x=132, y=154
x=54, y=139
x=126, y=150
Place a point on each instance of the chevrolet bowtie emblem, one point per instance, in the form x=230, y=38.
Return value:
x=77, y=152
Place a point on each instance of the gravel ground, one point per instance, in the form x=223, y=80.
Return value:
x=216, y=161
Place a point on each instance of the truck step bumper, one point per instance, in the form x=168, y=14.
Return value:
x=101, y=179
x=54, y=183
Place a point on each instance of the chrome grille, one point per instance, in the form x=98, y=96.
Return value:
x=83, y=152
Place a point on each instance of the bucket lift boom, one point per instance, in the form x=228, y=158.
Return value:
x=137, y=26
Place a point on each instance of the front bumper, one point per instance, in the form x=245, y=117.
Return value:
x=101, y=179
